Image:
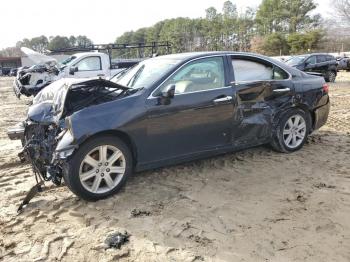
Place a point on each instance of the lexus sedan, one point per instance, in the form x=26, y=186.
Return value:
x=165, y=110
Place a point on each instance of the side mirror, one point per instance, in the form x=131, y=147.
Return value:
x=169, y=91
x=72, y=70
x=167, y=94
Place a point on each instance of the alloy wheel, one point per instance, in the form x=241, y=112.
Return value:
x=102, y=169
x=331, y=77
x=294, y=131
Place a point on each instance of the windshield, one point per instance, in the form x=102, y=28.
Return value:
x=145, y=73
x=65, y=62
x=295, y=60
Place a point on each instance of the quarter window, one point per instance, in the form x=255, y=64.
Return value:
x=199, y=75
x=89, y=64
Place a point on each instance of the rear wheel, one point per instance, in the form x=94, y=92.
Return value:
x=292, y=131
x=330, y=76
x=99, y=168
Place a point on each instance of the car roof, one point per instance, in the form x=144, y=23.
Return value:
x=314, y=54
x=194, y=55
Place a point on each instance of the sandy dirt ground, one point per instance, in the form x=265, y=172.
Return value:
x=253, y=205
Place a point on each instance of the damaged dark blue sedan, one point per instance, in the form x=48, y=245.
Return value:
x=166, y=110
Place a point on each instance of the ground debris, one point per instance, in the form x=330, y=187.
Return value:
x=116, y=240
x=139, y=213
x=275, y=220
x=200, y=240
x=323, y=185
x=301, y=198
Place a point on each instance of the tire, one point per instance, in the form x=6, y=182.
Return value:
x=91, y=177
x=281, y=140
x=330, y=76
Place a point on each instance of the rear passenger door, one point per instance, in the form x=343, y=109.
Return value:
x=311, y=64
x=322, y=64
x=261, y=89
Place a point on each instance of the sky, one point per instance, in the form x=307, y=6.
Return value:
x=100, y=20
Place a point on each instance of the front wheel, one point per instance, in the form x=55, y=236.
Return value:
x=292, y=131
x=99, y=168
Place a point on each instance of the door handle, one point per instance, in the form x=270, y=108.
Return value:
x=223, y=99
x=281, y=90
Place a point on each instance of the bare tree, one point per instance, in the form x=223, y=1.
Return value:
x=342, y=9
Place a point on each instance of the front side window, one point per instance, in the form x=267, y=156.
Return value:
x=200, y=75
x=89, y=64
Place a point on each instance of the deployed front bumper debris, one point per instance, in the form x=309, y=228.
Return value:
x=32, y=192
x=16, y=132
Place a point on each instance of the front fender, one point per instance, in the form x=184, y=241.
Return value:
x=119, y=115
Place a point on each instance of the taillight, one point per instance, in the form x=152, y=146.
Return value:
x=325, y=88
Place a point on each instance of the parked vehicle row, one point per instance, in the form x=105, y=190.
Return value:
x=165, y=110
x=30, y=81
x=5, y=71
x=343, y=63
x=318, y=64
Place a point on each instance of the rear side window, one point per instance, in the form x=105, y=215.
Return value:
x=321, y=58
x=311, y=60
x=330, y=58
x=248, y=70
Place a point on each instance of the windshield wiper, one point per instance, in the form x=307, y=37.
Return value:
x=136, y=76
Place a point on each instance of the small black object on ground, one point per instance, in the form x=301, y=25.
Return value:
x=117, y=239
x=138, y=213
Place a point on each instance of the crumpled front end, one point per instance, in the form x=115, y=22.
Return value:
x=40, y=141
x=47, y=134
x=31, y=81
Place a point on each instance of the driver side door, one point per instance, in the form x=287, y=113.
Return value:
x=197, y=119
x=88, y=67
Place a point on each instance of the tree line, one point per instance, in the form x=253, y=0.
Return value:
x=42, y=44
x=275, y=28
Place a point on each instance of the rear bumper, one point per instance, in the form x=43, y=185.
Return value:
x=321, y=115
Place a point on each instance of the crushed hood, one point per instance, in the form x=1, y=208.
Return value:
x=36, y=57
x=55, y=96
x=48, y=104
